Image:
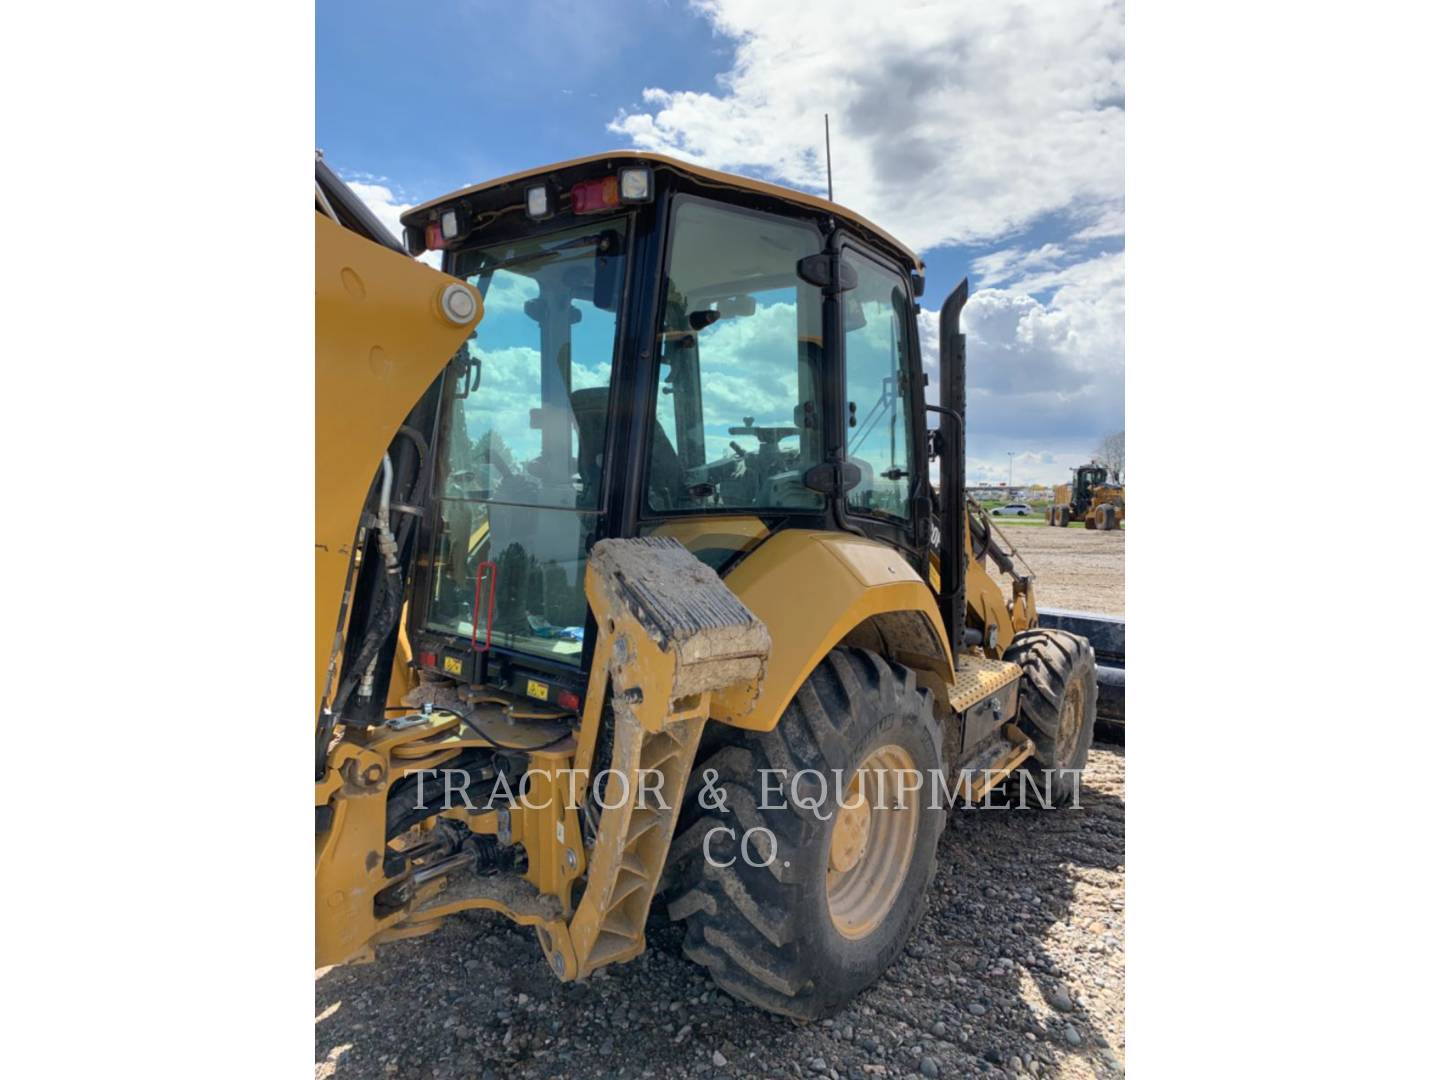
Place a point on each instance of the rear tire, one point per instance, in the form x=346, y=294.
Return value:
x=1064, y=517
x=1057, y=705
x=799, y=937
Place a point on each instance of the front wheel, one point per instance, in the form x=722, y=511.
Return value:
x=797, y=908
x=1057, y=705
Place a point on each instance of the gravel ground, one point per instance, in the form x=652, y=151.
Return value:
x=1078, y=569
x=1017, y=969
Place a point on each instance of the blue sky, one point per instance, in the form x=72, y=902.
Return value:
x=991, y=140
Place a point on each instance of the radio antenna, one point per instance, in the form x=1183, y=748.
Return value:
x=829, y=183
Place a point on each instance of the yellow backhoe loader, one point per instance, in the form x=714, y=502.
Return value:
x=632, y=586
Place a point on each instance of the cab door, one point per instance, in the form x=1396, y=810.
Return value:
x=883, y=407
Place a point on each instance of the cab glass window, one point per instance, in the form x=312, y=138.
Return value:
x=518, y=484
x=737, y=405
x=877, y=389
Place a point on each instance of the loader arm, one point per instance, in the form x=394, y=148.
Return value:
x=382, y=337
x=998, y=617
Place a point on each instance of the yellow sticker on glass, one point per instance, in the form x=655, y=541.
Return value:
x=537, y=689
x=453, y=666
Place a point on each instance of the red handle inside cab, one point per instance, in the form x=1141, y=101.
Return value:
x=480, y=576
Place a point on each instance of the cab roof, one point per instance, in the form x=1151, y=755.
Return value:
x=417, y=214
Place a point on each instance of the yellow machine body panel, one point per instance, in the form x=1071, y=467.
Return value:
x=811, y=589
x=740, y=533
x=381, y=339
x=1106, y=495
x=986, y=605
x=1114, y=494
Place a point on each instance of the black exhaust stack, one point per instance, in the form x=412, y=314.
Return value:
x=953, y=556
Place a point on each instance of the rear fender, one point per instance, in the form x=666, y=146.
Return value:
x=813, y=591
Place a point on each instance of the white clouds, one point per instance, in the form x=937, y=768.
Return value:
x=1017, y=342
x=950, y=123
x=1109, y=222
x=1001, y=266
x=1029, y=467
x=1042, y=373
x=385, y=205
x=382, y=203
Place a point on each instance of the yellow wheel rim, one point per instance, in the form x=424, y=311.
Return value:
x=872, y=842
x=1068, y=737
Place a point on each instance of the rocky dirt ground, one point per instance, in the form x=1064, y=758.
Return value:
x=1017, y=969
x=1079, y=569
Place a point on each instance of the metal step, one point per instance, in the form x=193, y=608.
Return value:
x=994, y=759
x=977, y=678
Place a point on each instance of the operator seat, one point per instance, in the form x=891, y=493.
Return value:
x=591, y=407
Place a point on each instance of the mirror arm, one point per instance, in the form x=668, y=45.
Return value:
x=944, y=411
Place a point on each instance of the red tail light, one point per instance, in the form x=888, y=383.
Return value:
x=568, y=699
x=592, y=196
x=428, y=659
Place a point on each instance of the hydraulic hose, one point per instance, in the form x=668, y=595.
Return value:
x=389, y=549
x=386, y=612
x=361, y=673
x=421, y=449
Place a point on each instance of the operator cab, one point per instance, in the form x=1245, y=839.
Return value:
x=1087, y=478
x=664, y=350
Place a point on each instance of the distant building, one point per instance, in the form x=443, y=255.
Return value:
x=1017, y=493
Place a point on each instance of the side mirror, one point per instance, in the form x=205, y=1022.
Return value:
x=831, y=478
x=828, y=272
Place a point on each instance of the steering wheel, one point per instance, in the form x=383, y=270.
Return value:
x=768, y=436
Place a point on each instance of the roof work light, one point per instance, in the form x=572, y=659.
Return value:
x=539, y=202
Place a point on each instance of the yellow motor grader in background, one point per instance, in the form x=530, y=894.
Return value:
x=631, y=581
x=1090, y=497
